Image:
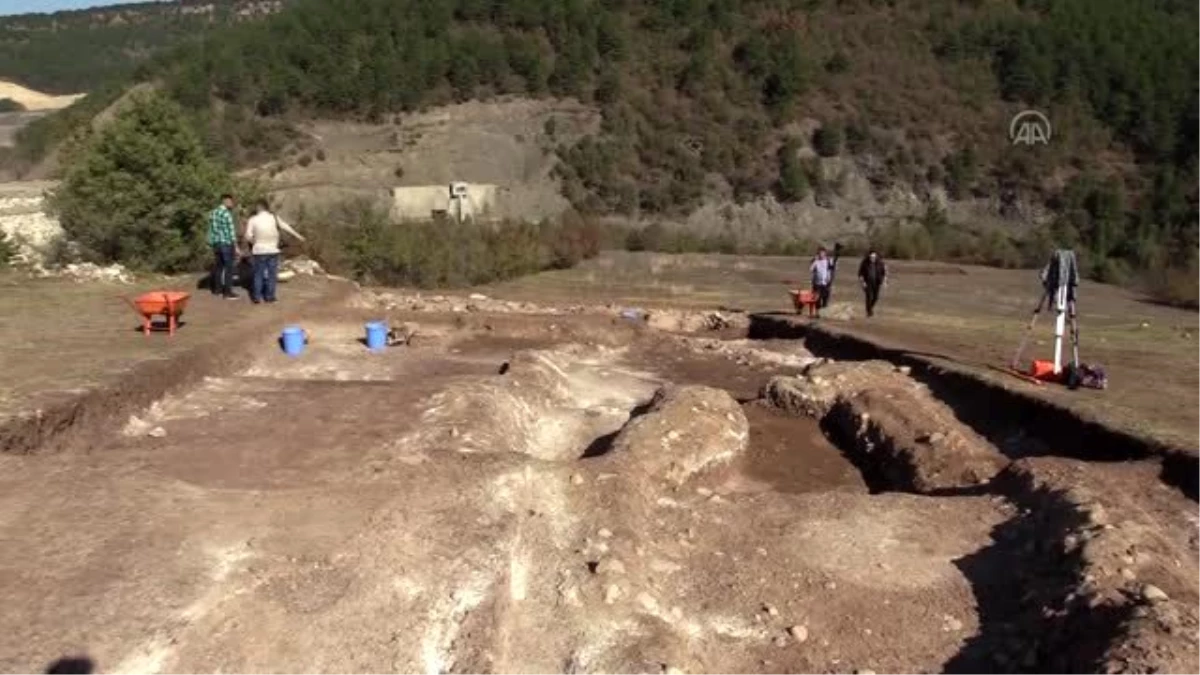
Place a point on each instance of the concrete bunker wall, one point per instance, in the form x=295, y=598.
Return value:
x=422, y=201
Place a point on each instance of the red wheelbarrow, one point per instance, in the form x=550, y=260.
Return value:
x=169, y=304
x=802, y=299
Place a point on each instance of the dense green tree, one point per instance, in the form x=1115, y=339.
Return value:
x=140, y=190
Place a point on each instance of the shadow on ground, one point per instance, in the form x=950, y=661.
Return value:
x=76, y=665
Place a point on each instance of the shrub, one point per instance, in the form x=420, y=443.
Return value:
x=8, y=105
x=140, y=190
x=1177, y=286
x=827, y=140
x=838, y=63
x=961, y=171
x=793, y=179
x=321, y=154
x=7, y=249
x=998, y=250
x=358, y=239
x=304, y=160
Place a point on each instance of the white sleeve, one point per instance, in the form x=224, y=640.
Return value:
x=288, y=228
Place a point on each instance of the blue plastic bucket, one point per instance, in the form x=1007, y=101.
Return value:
x=293, y=340
x=376, y=335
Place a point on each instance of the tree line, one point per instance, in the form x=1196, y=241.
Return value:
x=701, y=92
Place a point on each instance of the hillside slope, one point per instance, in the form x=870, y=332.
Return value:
x=720, y=110
x=73, y=51
x=32, y=100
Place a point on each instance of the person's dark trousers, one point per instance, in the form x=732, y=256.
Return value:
x=221, y=280
x=872, y=293
x=266, y=277
x=822, y=295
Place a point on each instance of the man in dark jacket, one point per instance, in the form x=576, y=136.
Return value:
x=872, y=273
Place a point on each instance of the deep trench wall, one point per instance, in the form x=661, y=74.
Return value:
x=991, y=408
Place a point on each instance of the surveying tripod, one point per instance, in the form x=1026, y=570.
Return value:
x=1060, y=277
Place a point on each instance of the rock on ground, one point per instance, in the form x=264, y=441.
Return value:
x=687, y=430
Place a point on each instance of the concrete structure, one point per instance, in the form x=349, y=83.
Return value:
x=462, y=201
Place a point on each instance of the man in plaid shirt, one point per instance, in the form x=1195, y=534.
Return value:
x=222, y=237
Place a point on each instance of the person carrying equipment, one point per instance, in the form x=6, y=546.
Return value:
x=821, y=270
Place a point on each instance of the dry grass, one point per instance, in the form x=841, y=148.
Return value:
x=61, y=337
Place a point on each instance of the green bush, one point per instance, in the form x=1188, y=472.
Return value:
x=827, y=140
x=7, y=249
x=358, y=239
x=793, y=183
x=140, y=190
x=8, y=105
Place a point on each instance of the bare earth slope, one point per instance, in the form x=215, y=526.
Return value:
x=553, y=490
x=35, y=100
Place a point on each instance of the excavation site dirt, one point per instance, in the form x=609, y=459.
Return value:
x=536, y=491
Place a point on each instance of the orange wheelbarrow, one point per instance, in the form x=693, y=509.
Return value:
x=802, y=299
x=168, y=304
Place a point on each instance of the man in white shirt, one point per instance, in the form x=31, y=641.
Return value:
x=262, y=233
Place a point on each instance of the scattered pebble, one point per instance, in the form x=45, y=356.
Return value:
x=781, y=642
x=576, y=479
x=672, y=435
x=612, y=594
x=605, y=532
x=771, y=609
x=951, y=624
x=831, y=585
x=799, y=633
x=157, y=432
x=1154, y=593
x=1128, y=574
x=647, y=602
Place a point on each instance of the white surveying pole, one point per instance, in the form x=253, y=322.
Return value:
x=1060, y=323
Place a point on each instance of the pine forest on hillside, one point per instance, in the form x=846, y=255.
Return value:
x=702, y=93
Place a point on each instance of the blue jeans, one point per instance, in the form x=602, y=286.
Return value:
x=221, y=279
x=266, y=276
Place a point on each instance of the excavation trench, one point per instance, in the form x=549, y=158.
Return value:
x=501, y=495
x=998, y=413
x=1059, y=588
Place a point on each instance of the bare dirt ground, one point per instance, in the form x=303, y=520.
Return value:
x=566, y=490
x=63, y=340
x=970, y=317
